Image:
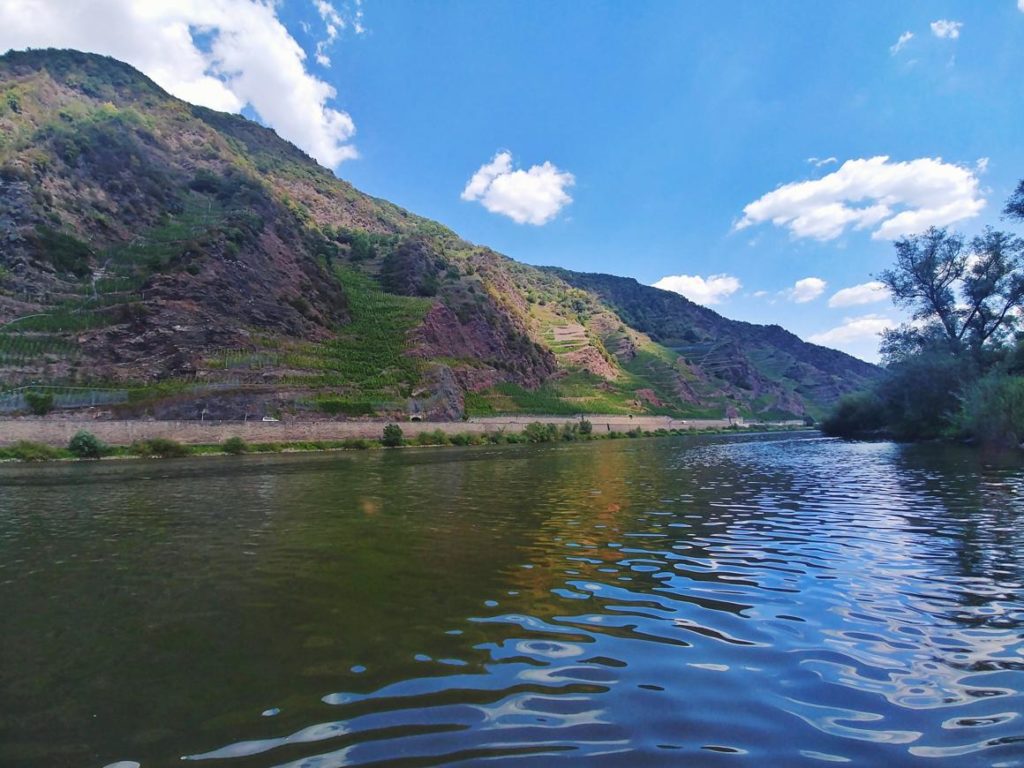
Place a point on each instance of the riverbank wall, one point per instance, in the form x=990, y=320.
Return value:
x=57, y=431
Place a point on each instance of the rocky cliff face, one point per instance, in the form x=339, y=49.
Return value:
x=156, y=256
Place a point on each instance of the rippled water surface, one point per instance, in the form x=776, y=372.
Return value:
x=753, y=601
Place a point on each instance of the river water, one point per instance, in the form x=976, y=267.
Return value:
x=779, y=600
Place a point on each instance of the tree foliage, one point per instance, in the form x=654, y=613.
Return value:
x=963, y=296
x=954, y=369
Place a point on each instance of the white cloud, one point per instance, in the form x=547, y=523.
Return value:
x=857, y=295
x=897, y=198
x=1020, y=5
x=946, y=29
x=982, y=165
x=900, y=44
x=702, y=290
x=246, y=57
x=534, y=196
x=854, y=331
x=818, y=162
x=806, y=290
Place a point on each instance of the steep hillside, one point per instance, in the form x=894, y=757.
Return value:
x=767, y=361
x=160, y=258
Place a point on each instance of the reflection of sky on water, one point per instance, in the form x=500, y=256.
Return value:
x=759, y=602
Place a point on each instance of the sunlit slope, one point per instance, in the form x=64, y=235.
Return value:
x=160, y=258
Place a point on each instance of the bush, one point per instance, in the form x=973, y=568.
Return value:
x=40, y=403
x=466, y=438
x=27, y=451
x=161, y=447
x=535, y=432
x=993, y=410
x=922, y=395
x=393, y=436
x=437, y=437
x=356, y=443
x=586, y=428
x=855, y=414
x=85, y=445
x=235, y=446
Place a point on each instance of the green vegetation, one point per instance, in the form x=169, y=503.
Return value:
x=437, y=437
x=367, y=359
x=536, y=432
x=24, y=450
x=40, y=403
x=85, y=445
x=160, y=447
x=235, y=446
x=993, y=409
x=393, y=436
x=956, y=370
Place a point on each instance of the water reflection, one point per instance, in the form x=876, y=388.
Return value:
x=766, y=601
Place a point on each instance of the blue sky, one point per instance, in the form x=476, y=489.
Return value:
x=661, y=121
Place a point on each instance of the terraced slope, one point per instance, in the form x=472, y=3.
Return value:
x=161, y=258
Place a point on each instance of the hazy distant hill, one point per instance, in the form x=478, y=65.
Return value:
x=157, y=257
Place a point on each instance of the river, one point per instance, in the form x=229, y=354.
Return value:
x=775, y=600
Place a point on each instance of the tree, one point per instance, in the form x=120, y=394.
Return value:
x=1015, y=205
x=963, y=297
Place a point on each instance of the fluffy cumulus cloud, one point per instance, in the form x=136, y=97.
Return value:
x=806, y=290
x=946, y=29
x=1020, y=5
x=222, y=54
x=858, y=295
x=703, y=290
x=865, y=328
x=892, y=198
x=900, y=44
x=534, y=196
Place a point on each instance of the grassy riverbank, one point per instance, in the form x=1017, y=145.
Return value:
x=85, y=447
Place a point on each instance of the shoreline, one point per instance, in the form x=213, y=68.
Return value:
x=25, y=452
x=56, y=432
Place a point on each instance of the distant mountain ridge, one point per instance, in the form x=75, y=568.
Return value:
x=161, y=258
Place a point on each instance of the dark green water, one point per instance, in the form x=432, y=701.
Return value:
x=754, y=601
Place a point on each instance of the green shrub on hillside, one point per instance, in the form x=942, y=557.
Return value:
x=40, y=403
